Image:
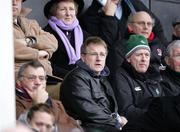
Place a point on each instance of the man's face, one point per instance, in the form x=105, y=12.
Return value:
x=42, y=122
x=33, y=78
x=141, y=24
x=174, y=60
x=176, y=30
x=17, y=5
x=140, y=60
x=66, y=12
x=95, y=57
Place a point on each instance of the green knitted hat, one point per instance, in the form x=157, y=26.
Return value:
x=134, y=43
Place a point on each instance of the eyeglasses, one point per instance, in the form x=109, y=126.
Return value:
x=33, y=78
x=95, y=54
x=142, y=23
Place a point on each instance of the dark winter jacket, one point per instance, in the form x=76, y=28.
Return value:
x=171, y=82
x=87, y=96
x=134, y=91
x=162, y=116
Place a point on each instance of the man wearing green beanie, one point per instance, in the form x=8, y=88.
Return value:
x=135, y=83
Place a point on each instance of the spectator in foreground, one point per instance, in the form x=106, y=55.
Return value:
x=31, y=89
x=40, y=118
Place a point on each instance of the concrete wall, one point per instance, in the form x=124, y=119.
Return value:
x=165, y=10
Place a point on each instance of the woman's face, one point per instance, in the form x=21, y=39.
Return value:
x=66, y=11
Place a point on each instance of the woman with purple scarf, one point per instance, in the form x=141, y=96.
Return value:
x=64, y=25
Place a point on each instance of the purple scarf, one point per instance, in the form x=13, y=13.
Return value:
x=73, y=55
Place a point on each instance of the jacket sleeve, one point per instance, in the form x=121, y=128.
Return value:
x=45, y=41
x=99, y=24
x=76, y=96
x=125, y=98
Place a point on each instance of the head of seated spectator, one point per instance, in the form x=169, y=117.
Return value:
x=53, y=6
x=138, y=53
x=172, y=58
x=31, y=82
x=176, y=29
x=40, y=118
x=141, y=23
x=31, y=90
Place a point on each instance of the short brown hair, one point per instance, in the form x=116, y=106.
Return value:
x=93, y=40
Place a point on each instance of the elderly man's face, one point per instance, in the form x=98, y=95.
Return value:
x=17, y=5
x=141, y=24
x=140, y=60
x=33, y=79
x=174, y=60
x=95, y=57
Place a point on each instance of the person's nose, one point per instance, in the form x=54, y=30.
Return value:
x=67, y=12
x=37, y=81
x=146, y=26
x=43, y=129
x=144, y=57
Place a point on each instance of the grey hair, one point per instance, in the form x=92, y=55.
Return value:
x=131, y=17
x=174, y=44
x=34, y=64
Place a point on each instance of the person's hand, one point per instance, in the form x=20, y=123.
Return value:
x=123, y=120
x=43, y=54
x=39, y=94
x=110, y=7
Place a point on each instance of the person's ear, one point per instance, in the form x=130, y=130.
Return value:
x=128, y=60
x=130, y=29
x=83, y=57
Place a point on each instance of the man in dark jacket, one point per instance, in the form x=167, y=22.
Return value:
x=171, y=76
x=162, y=116
x=136, y=82
x=85, y=92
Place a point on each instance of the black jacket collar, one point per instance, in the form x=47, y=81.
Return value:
x=105, y=72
